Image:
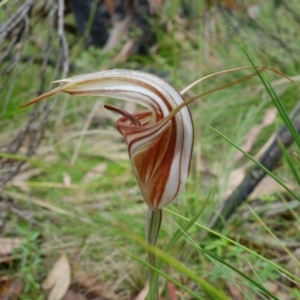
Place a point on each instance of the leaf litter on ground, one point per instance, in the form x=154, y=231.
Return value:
x=10, y=288
x=58, y=279
x=8, y=245
x=94, y=287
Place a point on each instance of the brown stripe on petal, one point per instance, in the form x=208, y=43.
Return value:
x=158, y=93
x=135, y=137
x=153, y=166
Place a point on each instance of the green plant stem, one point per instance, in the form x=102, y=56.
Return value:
x=152, y=231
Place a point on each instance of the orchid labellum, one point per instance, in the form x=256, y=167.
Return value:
x=159, y=139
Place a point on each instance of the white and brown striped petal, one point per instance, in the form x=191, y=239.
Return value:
x=159, y=142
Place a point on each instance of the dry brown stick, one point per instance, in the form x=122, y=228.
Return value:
x=33, y=131
x=16, y=19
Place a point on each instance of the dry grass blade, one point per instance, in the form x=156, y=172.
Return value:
x=44, y=204
x=228, y=71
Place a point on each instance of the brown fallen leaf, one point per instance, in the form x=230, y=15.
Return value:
x=73, y=295
x=58, y=279
x=7, y=245
x=10, y=288
x=94, y=285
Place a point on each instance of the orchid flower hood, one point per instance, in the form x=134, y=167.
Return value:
x=159, y=139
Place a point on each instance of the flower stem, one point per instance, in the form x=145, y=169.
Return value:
x=152, y=230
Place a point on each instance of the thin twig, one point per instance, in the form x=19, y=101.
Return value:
x=18, y=25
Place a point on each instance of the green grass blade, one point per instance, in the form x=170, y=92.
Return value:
x=181, y=231
x=208, y=288
x=178, y=234
x=291, y=162
x=257, y=163
x=183, y=287
x=208, y=253
x=239, y=245
x=274, y=237
x=273, y=95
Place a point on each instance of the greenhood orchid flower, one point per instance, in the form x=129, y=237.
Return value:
x=159, y=140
